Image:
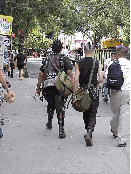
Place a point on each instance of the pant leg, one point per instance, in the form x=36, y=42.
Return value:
x=106, y=89
x=12, y=71
x=89, y=116
x=59, y=104
x=115, y=100
x=50, y=94
x=124, y=120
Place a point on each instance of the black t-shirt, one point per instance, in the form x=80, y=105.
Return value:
x=20, y=59
x=85, y=66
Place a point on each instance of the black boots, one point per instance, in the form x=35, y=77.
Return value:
x=60, y=122
x=49, y=123
x=61, y=127
x=88, y=137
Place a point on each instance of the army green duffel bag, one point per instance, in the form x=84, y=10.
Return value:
x=64, y=84
x=81, y=100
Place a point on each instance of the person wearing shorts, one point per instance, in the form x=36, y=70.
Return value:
x=20, y=59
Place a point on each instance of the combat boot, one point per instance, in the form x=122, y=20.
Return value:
x=49, y=123
x=88, y=137
x=61, y=127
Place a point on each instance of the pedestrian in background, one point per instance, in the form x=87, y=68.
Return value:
x=120, y=100
x=82, y=75
x=54, y=98
x=108, y=62
x=20, y=60
x=76, y=56
x=12, y=65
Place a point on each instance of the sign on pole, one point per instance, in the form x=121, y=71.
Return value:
x=12, y=35
x=6, y=25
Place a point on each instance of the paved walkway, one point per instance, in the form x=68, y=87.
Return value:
x=28, y=147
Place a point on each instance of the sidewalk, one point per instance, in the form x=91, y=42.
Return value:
x=28, y=147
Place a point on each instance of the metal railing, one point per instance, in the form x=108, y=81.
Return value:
x=101, y=55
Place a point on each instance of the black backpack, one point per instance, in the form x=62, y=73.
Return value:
x=115, y=77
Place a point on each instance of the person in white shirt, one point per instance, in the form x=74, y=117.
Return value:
x=120, y=100
x=108, y=62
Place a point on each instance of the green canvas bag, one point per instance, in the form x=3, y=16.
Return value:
x=81, y=99
x=64, y=84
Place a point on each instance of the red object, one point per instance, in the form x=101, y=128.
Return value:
x=19, y=32
x=12, y=35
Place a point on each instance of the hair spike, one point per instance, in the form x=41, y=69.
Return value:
x=56, y=46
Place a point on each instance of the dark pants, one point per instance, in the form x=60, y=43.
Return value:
x=89, y=116
x=12, y=67
x=55, y=101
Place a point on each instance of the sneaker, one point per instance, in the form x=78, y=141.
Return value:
x=121, y=142
x=1, y=133
x=105, y=99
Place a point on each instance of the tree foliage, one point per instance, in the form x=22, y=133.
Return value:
x=103, y=17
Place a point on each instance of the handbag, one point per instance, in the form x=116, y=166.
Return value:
x=64, y=84
x=81, y=99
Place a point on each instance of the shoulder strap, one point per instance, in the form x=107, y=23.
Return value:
x=92, y=71
x=54, y=66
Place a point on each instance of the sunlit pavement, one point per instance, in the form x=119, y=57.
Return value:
x=28, y=147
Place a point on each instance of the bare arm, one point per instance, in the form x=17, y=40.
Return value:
x=2, y=80
x=15, y=62
x=40, y=78
x=76, y=79
x=100, y=73
x=25, y=63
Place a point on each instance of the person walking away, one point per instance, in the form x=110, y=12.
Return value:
x=11, y=64
x=54, y=98
x=76, y=56
x=82, y=75
x=20, y=59
x=120, y=100
x=4, y=84
x=108, y=62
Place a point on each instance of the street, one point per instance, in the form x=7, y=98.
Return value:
x=28, y=147
x=34, y=66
